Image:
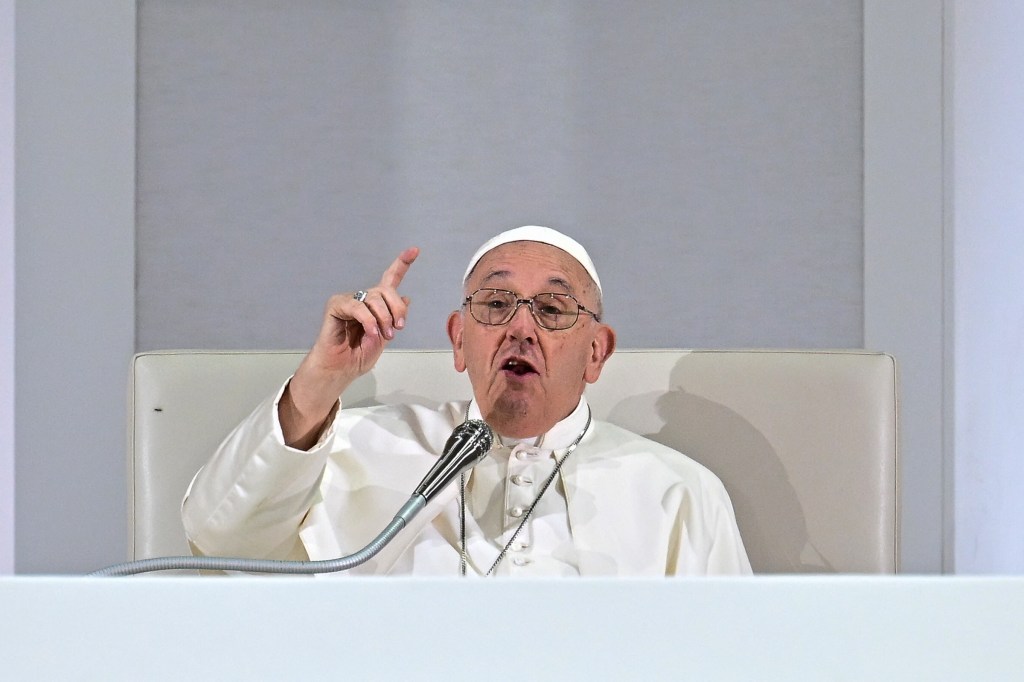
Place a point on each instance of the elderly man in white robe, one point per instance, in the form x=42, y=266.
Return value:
x=558, y=493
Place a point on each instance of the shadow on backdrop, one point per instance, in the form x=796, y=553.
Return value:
x=768, y=511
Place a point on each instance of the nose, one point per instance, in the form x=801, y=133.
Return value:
x=522, y=326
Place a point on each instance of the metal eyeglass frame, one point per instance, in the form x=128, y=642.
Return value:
x=468, y=301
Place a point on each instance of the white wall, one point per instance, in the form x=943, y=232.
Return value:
x=74, y=334
x=6, y=286
x=987, y=164
x=944, y=243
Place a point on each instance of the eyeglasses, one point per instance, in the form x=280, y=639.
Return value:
x=550, y=310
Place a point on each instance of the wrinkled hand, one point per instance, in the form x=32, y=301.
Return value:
x=351, y=339
x=354, y=333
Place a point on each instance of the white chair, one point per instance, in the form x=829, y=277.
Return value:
x=805, y=441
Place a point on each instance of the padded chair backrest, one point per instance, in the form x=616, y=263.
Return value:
x=805, y=441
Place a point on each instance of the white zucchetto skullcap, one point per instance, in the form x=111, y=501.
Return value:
x=544, y=235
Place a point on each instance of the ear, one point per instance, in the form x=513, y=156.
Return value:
x=601, y=348
x=455, y=329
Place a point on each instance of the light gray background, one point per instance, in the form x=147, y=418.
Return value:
x=936, y=112
x=707, y=153
x=7, y=260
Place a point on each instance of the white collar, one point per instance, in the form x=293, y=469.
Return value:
x=561, y=435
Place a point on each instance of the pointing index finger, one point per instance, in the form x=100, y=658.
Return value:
x=392, y=277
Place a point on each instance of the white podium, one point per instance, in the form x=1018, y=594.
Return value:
x=762, y=628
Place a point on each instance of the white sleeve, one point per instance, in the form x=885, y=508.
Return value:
x=251, y=497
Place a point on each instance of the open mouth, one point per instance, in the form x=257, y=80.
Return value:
x=518, y=367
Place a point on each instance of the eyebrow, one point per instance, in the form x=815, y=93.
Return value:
x=502, y=274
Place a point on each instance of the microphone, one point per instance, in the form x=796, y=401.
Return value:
x=467, y=445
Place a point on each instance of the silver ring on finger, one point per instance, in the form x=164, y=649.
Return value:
x=359, y=295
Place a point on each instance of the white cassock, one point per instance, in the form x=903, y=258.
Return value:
x=621, y=504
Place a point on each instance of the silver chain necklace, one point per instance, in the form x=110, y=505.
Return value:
x=464, y=557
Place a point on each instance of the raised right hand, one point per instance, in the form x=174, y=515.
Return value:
x=351, y=339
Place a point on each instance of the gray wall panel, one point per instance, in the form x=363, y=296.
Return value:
x=708, y=153
x=74, y=172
